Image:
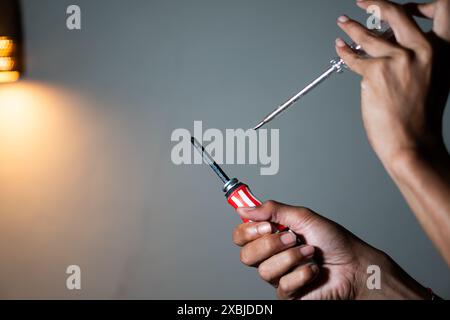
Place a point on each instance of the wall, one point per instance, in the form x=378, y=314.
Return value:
x=85, y=170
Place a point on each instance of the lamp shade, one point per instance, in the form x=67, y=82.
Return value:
x=11, y=44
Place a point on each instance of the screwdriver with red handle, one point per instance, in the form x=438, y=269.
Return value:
x=237, y=193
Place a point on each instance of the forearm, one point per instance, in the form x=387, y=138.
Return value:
x=395, y=283
x=424, y=180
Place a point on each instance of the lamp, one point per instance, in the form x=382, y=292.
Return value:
x=11, y=56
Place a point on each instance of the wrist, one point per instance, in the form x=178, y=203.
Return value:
x=394, y=282
x=410, y=160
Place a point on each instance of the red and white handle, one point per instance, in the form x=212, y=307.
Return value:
x=243, y=198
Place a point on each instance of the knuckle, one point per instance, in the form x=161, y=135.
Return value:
x=302, y=217
x=292, y=256
x=285, y=286
x=270, y=205
x=269, y=244
x=303, y=212
x=365, y=38
x=248, y=230
x=280, y=294
x=426, y=50
x=306, y=210
x=347, y=54
x=405, y=56
x=265, y=272
x=245, y=257
x=237, y=236
x=360, y=34
x=351, y=26
x=305, y=274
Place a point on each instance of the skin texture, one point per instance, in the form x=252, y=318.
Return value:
x=404, y=89
x=405, y=86
x=294, y=271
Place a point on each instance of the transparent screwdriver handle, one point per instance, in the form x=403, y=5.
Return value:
x=384, y=32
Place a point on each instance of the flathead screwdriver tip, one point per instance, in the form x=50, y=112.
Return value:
x=259, y=126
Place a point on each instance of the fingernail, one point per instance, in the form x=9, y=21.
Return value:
x=361, y=3
x=340, y=43
x=307, y=251
x=315, y=268
x=264, y=228
x=343, y=19
x=288, y=238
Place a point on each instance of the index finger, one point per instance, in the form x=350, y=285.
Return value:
x=407, y=32
x=353, y=60
x=247, y=232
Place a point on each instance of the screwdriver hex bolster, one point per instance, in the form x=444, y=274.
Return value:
x=239, y=195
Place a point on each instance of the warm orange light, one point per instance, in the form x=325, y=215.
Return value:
x=6, y=46
x=8, y=70
x=9, y=76
x=45, y=130
x=18, y=114
x=6, y=63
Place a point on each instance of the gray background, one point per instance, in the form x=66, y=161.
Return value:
x=88, y=179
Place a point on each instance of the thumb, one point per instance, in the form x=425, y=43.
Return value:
x=294, y=218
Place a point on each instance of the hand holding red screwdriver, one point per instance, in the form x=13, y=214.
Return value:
x=237, y=193
x=331, y=265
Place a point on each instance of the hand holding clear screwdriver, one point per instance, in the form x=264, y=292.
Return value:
x=405, y=87
x=337, y=66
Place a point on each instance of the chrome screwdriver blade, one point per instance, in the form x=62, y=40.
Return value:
x=337, y=66
x=210, y=161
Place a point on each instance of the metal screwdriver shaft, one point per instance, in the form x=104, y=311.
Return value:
x=337, y=66
x=210, y=161
x=238, y=194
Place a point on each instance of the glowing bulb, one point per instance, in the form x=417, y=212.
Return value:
x=9, y=76
x=11, y=41
x=6, y=46
x=6, y=63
